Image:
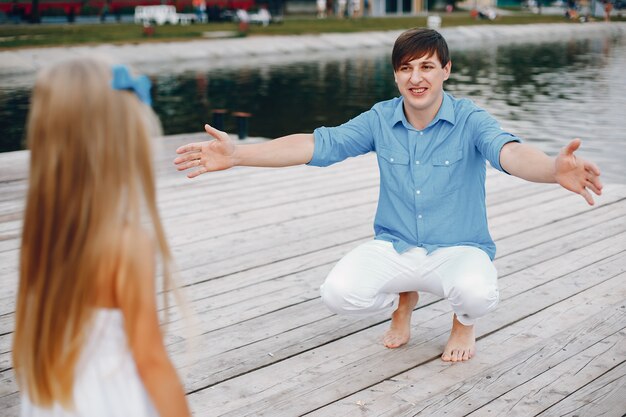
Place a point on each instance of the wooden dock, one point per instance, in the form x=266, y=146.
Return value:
x=253, y=246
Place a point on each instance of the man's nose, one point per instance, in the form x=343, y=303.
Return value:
x=416, y=76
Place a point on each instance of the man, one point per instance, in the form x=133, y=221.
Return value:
x=431, y=223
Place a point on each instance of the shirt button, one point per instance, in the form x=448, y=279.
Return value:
x=447, y=162
x=419, y=216
x=417, y=162
x=418, y=192
x=421, y=133
x=391, y=159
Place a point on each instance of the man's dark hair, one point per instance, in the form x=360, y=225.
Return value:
x=416, y=43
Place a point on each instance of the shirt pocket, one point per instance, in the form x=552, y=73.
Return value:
x=394, y=168
x=447, y=171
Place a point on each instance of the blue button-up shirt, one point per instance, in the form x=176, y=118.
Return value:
x=432, y=181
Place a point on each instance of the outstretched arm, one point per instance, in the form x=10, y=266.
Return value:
x=571, y=172
x=221, y=153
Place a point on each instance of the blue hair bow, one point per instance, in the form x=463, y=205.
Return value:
x=123, y=80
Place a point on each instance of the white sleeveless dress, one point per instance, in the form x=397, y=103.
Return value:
x=107, y=383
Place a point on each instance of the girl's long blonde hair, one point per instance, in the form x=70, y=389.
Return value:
x=90, y=179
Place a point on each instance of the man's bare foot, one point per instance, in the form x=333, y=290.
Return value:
x=461, y=345
x=400, y=331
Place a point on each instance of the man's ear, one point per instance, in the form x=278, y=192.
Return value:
x=447, y=68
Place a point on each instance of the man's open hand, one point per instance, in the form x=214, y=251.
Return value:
x=214, y=155
x=576, y=174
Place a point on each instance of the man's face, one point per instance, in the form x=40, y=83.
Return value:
x=420, y=82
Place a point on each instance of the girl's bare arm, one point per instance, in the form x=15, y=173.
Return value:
x=137, y=300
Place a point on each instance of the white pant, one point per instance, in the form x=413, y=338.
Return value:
x=370, y=277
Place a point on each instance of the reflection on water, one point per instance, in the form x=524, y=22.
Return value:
x=546, y=93
x=13, y=111
x=551, y=93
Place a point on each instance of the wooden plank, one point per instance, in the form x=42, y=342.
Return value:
x=247, y=197
x=554, y=246
x=10, y=260
x=326, y=383
x=507, y=359
x=502, y=188
x=205, y=206
x=540, y=250
x=278, y=317
x=554, y=388
x=506, y=228
x=205, y=227
x=569, y=312
x=303, y=286
x=325, y=367
x=244, y=252
x=257, y=218
x=13, y=191
x=9, y=402
x=540, y=197
x=604, y=396
x=14, y=166
x=536, y=216
x=259, y=182
x=294, y=288
x=269, y=304
x=330, y=206
x=323, y=197
x=548, y=362
x=216, y=257
x=582, y=240
x=183, y=204
x=261, y=297
x=255, y=300
x=594, y=217
x=262, y=224
x=302, y=183
x=586, y=237
x=250, y=183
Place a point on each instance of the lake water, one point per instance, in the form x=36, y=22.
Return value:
x=546, y=93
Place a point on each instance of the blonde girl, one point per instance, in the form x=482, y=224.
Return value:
x=87, y=339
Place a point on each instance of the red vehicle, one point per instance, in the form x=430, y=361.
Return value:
x=71, y=8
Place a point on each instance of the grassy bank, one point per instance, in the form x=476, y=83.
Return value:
x=20, y=36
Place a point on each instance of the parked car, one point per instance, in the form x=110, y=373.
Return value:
x=161, y=15
x=262, y=17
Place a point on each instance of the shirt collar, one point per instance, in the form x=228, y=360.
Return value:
x=398, y=114
x=446, y=112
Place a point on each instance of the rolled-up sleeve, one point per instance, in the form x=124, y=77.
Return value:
x=489, y=137
x=334, y=144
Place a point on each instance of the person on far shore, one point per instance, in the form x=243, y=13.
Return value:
x=431, y=230
x=356, y=8
x=321, y=9
x=104, y=12
x=608, y=8
x=341, y=8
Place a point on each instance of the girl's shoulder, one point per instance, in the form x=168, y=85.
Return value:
x=136, y=251
x=131, y=267
x=136, y=239
x=125, y=240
